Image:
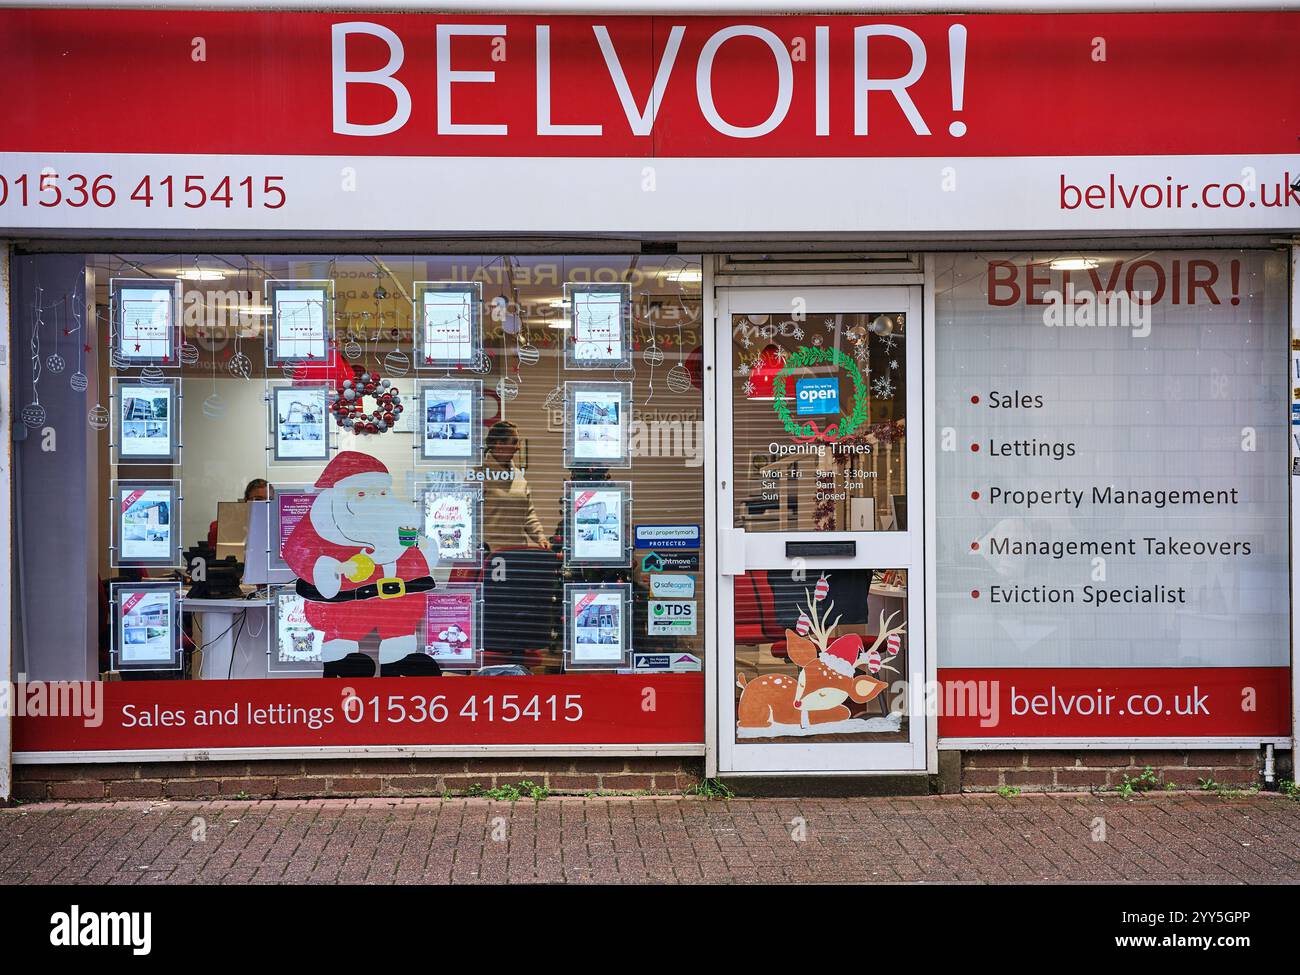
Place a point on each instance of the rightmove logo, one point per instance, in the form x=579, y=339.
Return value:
x=103, y=929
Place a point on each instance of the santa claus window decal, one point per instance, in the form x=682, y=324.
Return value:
x=600, y=326
x=452, y=518
x=146, y=626
x=302, y=319
x=450, y=422
x=299, y=422
x=145, y=316
x=146, y=520
x=598, y=625
x=363, y=565
x=449, y=332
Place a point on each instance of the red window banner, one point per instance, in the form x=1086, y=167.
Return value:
x=1138, y=702
x=445, y=84
x=540, y=710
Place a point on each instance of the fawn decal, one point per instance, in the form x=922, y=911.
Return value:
x=830, y=673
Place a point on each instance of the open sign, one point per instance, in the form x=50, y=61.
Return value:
x=814, y=397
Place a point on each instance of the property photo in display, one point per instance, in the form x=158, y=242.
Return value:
x=599, y=426
x=146, y=524
x=145, y=421
x=448, y=423
x=301, y=415
x=146, y=632
x=597, y=528
x=597, y=624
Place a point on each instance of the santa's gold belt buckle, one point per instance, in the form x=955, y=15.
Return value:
x=390, y=587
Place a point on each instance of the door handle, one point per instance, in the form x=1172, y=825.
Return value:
x=731, y=551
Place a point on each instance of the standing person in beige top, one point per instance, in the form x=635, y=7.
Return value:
x=509, y=519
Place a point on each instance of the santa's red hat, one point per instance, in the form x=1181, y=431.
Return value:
x=349, y=463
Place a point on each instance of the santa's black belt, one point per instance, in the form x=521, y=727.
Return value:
x=389, y=587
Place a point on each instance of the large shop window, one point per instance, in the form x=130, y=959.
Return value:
x=1112, y=493
x=286, y=469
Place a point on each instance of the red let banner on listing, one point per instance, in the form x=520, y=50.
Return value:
x=541, y=710
x=1140, y=702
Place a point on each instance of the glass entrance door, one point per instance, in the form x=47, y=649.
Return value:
x=820, y=565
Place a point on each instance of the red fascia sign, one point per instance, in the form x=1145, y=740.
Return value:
x=440, y=84
x=942, y=123
x=540, y=710
x=1138, y=702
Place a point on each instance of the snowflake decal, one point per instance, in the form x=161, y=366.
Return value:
x=893, y=363
x=889, y=341
x=883, y=388
x=748, y=388
x=798, y=333
x=743, y=369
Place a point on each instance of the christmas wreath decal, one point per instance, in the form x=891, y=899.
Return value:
x=846, y=426
x=347, y=403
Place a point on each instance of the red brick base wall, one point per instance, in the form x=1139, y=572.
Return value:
x=349, y=777
x=1065, y=771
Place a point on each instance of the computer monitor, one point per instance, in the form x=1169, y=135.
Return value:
x=232, y=529
x=262, y=565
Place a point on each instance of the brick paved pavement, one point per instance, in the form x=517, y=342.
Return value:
x=1167, y=838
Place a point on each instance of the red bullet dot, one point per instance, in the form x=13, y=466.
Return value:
x=974, y=546
x=974, y=495
x=974, y=399
x=975, y=448
x=974, y=594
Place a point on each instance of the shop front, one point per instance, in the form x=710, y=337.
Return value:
x=400, y=407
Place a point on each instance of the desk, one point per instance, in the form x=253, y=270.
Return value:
x=217, y=623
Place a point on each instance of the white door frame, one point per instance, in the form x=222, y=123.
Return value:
x=880, y=549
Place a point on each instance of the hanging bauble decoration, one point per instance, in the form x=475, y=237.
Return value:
x=55, y=364
x=653, y=355
x=117, y=360
x=33, y=415
x=352, y=349
x=214, y=406
x=98, y=417
x=554, y=399
x=398, y=363
x=79, y=382
x=528, y=353
x=507, y=388
x=240, y=366
x=348, y=403
x=151, y=376
x=679, y=378
x=189, y=353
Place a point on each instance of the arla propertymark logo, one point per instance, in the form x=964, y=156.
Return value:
x=814, y=397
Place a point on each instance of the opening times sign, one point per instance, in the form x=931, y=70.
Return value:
x=1111, y=511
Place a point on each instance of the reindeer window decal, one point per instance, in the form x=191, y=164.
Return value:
x=833, y=671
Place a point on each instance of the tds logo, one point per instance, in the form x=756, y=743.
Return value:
x=814, y=397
